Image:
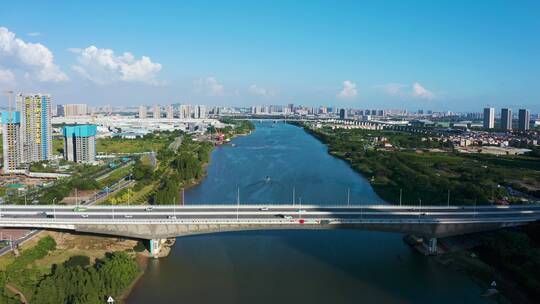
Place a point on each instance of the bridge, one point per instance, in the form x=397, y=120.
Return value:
x=157, y=223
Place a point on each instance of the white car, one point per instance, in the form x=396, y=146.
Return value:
x=172, y=217
x=301, y=210
x=84, y=215
x=287, y=217
x=149, y=209
x=128, y=216
x=264, y=209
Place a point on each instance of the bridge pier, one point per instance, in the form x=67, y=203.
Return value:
x=155, y=247
x=432, y=246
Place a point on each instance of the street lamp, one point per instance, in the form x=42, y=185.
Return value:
x=54, y=207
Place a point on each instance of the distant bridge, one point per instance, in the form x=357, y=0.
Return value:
x=156, y=223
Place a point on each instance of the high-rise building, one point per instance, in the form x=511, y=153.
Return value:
x=80, y=143
x=142, y=112
x=489, y=118
x=185, y=111
x=201, y=112
x=75, y=109
x=60, y=111
x=157, y=112
x=506, y=119
x=36, y=128
x=524, y=119
x=342, y=114
x=170, y=112
x=11, y=136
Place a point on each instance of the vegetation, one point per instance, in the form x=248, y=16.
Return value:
x=87, y=284
x=237, y=127
x=422, y=174
x=180, y=168
x=516, y=253
x=150, y=142
x=20, y=274
x=75, y=280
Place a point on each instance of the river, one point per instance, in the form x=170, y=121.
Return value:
x=327, y=266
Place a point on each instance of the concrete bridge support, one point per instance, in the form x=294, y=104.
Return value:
x=432, y=246
x=155, y=247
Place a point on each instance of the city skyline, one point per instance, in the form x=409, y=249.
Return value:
x=312, y=53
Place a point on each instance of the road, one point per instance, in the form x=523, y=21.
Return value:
x=123, y=183
x=270, y=212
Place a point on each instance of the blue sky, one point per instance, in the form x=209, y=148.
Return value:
x=441, y=55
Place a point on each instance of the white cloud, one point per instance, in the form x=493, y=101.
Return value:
x=7, y=77
x=254, y=89
x=209, y=86
x=32, y=59
x=404, y=90
x=102, y=66
x=421, y=92
x=349, y=90
x=34, y=34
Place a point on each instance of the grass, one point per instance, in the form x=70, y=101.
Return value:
x=139, y=145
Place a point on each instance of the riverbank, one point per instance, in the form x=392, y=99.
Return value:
x=395, y=163
x=499, y=256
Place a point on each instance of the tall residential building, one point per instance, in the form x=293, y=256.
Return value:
x=506, y=119
x=200, y=112
x=489, y=118
x=80, y=143
x=11, y=136
x=75, y=109
x=170, y=112
x=524, y=119
x=142, y=112
x=157, y=112
x=342, y=114
x=36, y=128
x=185, y=111
x=60, y=111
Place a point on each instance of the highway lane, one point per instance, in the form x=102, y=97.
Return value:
x=274, y=208
x=250, y=214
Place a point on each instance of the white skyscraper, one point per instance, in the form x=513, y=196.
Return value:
x=185, y=111
x=170, y=112
x=157, y=112
x=489, y=118
x=142, y=112
x=201, y=112
x=75, y=109
x=36, y=128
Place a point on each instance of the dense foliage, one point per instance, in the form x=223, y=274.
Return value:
x=80, y=284
x=429, y=176
x=180, y=168
x=19, y=271
x=237, y=126
x=517, y=254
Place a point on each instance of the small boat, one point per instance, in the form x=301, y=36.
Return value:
x=267, y=179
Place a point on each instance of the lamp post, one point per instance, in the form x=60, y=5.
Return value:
x=54, y=207
x=237, y=203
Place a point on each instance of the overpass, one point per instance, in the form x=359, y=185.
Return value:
x=156, y=223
